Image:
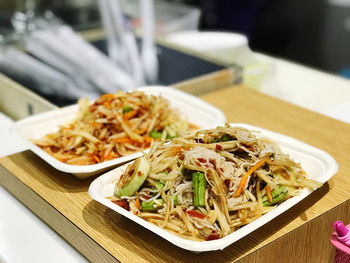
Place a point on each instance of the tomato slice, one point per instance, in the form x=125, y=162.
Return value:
x=122, y=203
x=213, y=237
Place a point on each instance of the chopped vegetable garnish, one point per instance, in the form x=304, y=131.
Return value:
x=204, y=191
x=156, y=134
x=127, y=109
x=152, y=205
x=133, y=178
x=246, y=176
x=277, y=195
x=199, y=183
x=114, y=125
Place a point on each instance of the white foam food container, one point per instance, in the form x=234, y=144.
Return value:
x=318, y=164
x=198, y=112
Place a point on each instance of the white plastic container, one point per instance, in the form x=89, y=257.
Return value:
x=318, y=164
x=198, y=112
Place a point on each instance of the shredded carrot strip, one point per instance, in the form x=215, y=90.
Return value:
x=142, y=131
x=130, y=114
x=147, y=139
x=96, y=124
x=123, y=140
x=107, y=103
x=137, y=203
x=107, y=96
x=96, y=158
x=247, y=174
x=268, y=193
x=177, y=149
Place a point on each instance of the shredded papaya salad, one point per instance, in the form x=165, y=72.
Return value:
x=207, y=184
x=114, y=125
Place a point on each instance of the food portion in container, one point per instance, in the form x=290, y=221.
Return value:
x=114, y=125
x=209, y=183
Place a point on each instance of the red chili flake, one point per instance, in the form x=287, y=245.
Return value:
x=213, y=163
x=139, y=173
x=122, y=203
x=181, y=156
x=195, y=213
x=202, y=160
x=227, y=183
x=145, y=197
x=212, y=237
x=221, y=169
x=218, y=147
x=131, y=172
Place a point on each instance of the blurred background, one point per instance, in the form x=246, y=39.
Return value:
x=314, y=33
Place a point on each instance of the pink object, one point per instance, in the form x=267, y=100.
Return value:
x=342, y=251
x=343, y=234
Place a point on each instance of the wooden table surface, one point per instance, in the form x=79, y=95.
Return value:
x=299, y=235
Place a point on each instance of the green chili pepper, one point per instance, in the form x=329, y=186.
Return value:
x=127, y=109
x=199, y=182
x=160, y=185
x=277, y=196
x=225, y=138
x=153, y=205
x=175, y=200
x=156, y=134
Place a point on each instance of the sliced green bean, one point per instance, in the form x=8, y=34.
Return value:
x=153, y=205
x=156, y=134
x=127, y=109
x=199, y=183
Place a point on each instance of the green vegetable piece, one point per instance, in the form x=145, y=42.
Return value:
x=225, y=138
x=156, y=134
x=160, y=185
x=170, y=137
x=275, y=192
x=153, y=205
x=199, y=183
x=195, y=182
x=175, y=200
x=277, y=196
x=127, y=109
x=127, y=184
x=201, y=190
x=215, y=140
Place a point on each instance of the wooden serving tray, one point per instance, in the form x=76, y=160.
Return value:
x=299, y=235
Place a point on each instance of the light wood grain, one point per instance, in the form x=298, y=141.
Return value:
x=210, y=82
x=128, y=242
